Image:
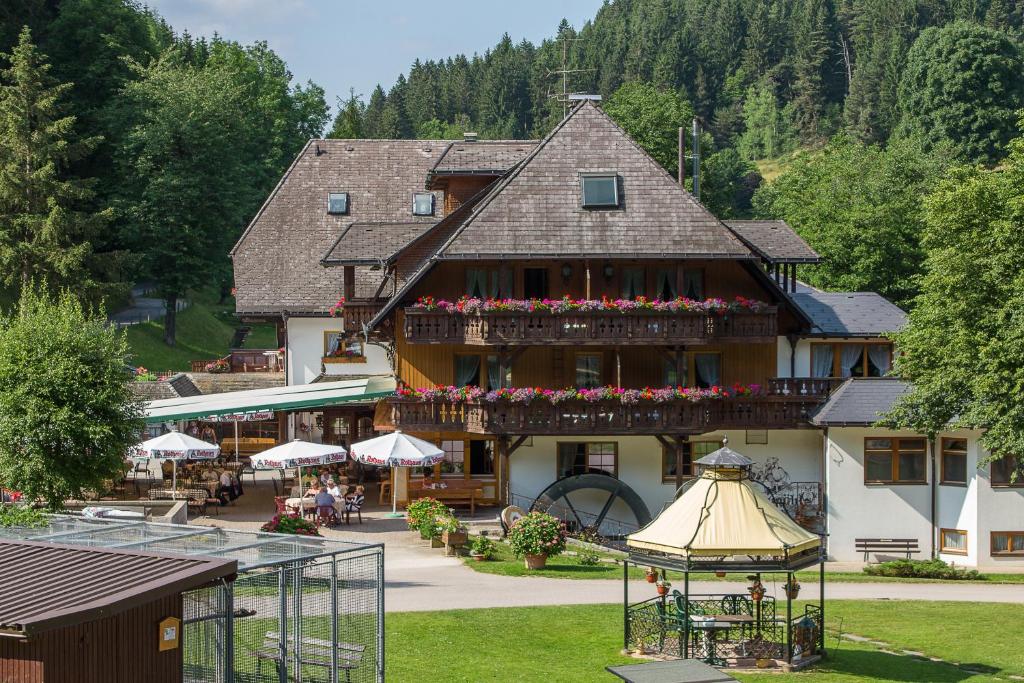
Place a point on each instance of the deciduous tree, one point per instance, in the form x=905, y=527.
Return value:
x=652, y=117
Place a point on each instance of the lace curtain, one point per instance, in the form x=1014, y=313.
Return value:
x=821, y=360
x=880, y=358
x=467, y=370
x=849, y=357
x=708, y=370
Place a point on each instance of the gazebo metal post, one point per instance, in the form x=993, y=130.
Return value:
x=686, y=611
x=625, y=604
x=757, y=603
x=821, y=605
x=789, y=619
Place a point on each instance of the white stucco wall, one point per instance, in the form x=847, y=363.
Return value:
x=957, y=506
x=305, y=349
x=999, y=509
x=533, y=466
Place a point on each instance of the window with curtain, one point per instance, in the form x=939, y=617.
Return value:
x=822, y=356
x=671, y=375
x=692, y=451
x=850, y=358
x=693, y=283
x=895, y=461
x=580, y=458
x=454, y=463
x=954, y=461
x=708, y=369
x=953, y=541
x=489, y=283
x=1007, y=542
x=588, y=370
x=665, y=284
x=1007, y=471
x=494, y=381
x=633, y=285
x=467, y=370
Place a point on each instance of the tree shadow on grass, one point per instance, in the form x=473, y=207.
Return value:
x=874, y=664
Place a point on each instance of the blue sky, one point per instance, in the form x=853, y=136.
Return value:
x=358, y=43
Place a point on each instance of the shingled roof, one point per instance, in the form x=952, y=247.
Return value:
x=860, y=402
x=774, y=241
x=850, y=314
x=535, y=210
x=277, y=259
x=372, y=243
x=487, y=157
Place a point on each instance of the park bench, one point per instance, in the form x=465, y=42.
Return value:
x=313, y=652
x=903, y=546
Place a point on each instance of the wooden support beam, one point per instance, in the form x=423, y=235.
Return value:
x=520, y=440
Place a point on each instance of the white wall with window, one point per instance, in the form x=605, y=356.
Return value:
x=639, y=461
x=835, y=357
x=311, y=340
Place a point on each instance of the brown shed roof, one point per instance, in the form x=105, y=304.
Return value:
x=774, y=241
x=535, y=211
x=45, y=586
x=371, y=243
x=489, y=157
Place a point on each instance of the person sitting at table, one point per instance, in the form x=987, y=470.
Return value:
x=167, y=468
x=226, y=489
x=333, y=488
x=324, y=499
x=354, y=502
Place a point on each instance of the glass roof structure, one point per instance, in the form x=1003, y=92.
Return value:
x=252, y=550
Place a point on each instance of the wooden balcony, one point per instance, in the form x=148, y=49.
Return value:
x=540, y=417
x=589, y=327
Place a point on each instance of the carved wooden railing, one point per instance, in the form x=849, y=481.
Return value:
x=579, y=417
x=589, y=327
x=357, y=314
x=244, y=360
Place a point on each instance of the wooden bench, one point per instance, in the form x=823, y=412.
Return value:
x=903, y=546
x=313, y=652
x=452, y=496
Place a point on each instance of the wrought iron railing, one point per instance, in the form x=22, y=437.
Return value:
x=589, y=327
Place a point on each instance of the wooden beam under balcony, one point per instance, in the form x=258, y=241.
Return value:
x=589, y=328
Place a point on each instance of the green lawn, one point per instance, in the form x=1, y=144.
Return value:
x=568, y=567
x=204, y=332
x=575, y=643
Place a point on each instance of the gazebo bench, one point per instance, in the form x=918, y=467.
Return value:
x=903, y=546
x=315, y=652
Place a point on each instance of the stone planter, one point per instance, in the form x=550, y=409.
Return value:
x=455, y=538
x=536, y=561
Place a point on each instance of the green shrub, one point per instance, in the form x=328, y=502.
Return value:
x=537, y=533
x=482, y=545
x=586, y=554
x=922, y=569
x=291, y=524
x=21, y=515
x=424, y=513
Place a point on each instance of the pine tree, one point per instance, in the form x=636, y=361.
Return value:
x=348, y=124
x=372, y=117
x=43, y=237
x=812, y=48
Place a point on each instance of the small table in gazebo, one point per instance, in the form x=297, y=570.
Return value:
x=724, y=523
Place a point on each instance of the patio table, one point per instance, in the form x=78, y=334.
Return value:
x=710, y=625
x=672, y=671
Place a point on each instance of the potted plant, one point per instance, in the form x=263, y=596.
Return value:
x=756, y=589
x=536, y=537
x=291, y=524
x=422, y=513
x=663, y=586
x=453, y=535
x=482, y=549
x=652, y=575
x=792, y=587
x=720, y=574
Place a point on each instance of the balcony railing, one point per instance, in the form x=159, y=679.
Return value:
x=580, y=417
x=589, y=327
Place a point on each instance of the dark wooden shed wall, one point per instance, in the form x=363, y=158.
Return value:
x=119, y=649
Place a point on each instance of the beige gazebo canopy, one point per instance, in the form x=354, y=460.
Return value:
x=722, y=514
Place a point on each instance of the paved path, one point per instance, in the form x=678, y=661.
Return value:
x=421, y=579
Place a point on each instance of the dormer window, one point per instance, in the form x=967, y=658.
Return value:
x=600, y=190
x=423, y=204
x=337, y=203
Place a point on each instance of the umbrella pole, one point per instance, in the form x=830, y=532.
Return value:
x=174, y=479
x=236, y=442
x=394, y=494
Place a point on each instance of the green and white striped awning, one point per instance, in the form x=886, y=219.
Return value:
x=242, y=403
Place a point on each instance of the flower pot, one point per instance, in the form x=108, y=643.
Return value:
x=662, y=590
x=536, y=561
x=792, y=593
x=756, y=596
x=478, y=557
x=455, y=538
x=651, y=577
x=720, y=574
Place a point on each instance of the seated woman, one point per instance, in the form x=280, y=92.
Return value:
x=167, y=468
x=354, y=503
x=335, y=491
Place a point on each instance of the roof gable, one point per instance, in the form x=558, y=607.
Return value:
x=774, y=241
x=535, y=210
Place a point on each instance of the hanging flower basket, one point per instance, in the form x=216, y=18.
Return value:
x=652, y=575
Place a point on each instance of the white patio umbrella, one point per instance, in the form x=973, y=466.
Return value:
x=397, y=450
x=298, y=453
x=175, y=446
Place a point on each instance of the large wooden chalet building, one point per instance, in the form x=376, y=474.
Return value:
x=680, y=331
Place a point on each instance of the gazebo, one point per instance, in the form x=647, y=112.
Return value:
x=724, y=523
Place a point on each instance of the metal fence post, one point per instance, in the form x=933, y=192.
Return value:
x=334, y=618
x=282, y=587
x=380, y=616
x=228, y=591
x=297, y=618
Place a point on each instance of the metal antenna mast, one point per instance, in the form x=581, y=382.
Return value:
x=564, y=72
